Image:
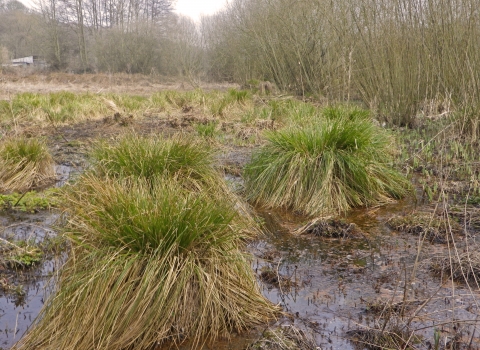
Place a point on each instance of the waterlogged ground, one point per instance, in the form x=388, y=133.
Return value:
x=334, y=289
x=22, y=290
x=328, y=287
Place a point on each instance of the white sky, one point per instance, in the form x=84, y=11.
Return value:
x=195, y=8
x=191, y=8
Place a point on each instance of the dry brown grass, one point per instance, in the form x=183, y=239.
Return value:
x=376, y=339
x=435, y=228
x=284, y=338
x=330, y=228
x=463, y=266
x=47, y=82
x=24, y=164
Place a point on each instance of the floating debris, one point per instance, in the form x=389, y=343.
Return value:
x=284, y=338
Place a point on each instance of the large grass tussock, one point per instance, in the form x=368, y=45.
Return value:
x=185, y=160
x=150, y=262
x=339, y=162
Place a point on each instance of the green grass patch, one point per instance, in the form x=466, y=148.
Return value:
x=25, y=163
x=239, y=96
x=24, y=259
x=58, y=107
x=129, y=103
x=326, y=167
x=208, y=130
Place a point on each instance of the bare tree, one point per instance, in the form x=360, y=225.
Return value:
x=16, y=29
x=53, y=15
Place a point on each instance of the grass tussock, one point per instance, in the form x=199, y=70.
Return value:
x=325, y=168
x=433, y=227
x=393, y=338
x=149, y=263
x=188, y=161
x=330, y=228
x=25, y=163
x=387, y=306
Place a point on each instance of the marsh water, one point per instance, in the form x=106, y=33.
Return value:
x=25, y=296
x=328, y=287
x=337, y=282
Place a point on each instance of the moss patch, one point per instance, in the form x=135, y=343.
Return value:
x=31, y=201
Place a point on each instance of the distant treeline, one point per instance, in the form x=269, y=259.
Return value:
x=399, y=57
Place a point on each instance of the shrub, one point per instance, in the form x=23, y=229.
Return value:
x=25, y=163
x=148, y=264
x=326, y=167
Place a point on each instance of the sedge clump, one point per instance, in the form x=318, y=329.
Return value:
x=326, y=167
x=149, y=263
x=25, y=163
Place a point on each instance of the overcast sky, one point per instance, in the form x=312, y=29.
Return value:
x=195, y=8
x=191, y=8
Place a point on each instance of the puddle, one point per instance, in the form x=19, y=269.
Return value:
x=65, y=173
x=21, y=303
x=28, y=227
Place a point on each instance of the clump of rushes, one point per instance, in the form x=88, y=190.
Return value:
x=339, y=162
x=25, y=163
x=186, y=160
x=150, y=262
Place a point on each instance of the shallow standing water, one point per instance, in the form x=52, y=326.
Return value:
x=22, y=301
x=332, y=283
x=22, y=291
x=328, y=285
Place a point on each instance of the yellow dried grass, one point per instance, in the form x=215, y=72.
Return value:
x=25, y=163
